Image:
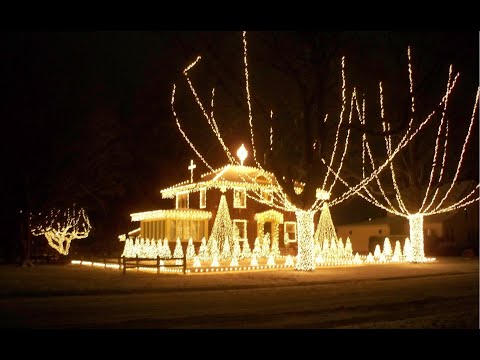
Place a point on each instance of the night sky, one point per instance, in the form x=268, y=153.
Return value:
x=89, y=118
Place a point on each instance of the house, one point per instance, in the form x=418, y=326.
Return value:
x=456, y=229
x=195, y=205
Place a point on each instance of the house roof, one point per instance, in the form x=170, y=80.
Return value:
x=226, y=177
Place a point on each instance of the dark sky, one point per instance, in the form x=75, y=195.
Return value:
x=102, y=99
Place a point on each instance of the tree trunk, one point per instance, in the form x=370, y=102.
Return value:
x=416, y=237
x=306, y=243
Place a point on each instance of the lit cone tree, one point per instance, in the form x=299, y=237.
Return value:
x=387, y=247
x=325, y=227
x=178, y=252
x=275, y=250
x=408, y=189
x=61, y=228
x=397, y=253
x=309, y=150
x=203, y=251
x=237, y=251
x=348, y=248
x=222, y=230
x=226, y=251
x=190, y=250
x=265, y=246
x=257, y=248
x=167, y=252
x=246, y=252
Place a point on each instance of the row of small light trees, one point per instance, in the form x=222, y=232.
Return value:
x=326, y=253
x=305, y=207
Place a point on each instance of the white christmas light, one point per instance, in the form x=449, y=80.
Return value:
x=242, y=154
x=60, y=229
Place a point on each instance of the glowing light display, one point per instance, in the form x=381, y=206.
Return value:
x=222, y=229
x=61, y=228
x=242, y=154
x=246, y=252
x=305, y=227
x=190, y=250
x=387, y=247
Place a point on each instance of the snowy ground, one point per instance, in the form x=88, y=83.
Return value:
x=443, y=294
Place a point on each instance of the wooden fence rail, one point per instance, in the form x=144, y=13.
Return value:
x=136, y=262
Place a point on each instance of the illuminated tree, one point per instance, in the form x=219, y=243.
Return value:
x=246, y=252
x=377, y=252
x=226, y=252
x=61, y=228
x=407, y=250
x=325, y=227
x=222, y=230
x=265, y=246
x=178, y=252
x=196, y=262
x=348, y=248
x=257, y=249
x=275, y=250
x=166, y=249
x=203, y=251
x=309, y=150
x=237, y=251
x=128, y=250
x=213, y=252
x=397, y=253
x=387, y=247
x=190, y=250
x=409, y=191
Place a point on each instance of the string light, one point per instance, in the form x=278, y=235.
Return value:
x=196, y=262
x=254, y=261
x=167, y=253
x=377, y=252
x=305, y=229
x=265, y=245
x=407, y=250
x=190, y=250
x=246, y=252
x=280, y=201
x=222, y=229
x=187, y=214
x=183, y=133
x=247, y=87
x=271, y=260
x=387, y=247
x=202, y=251
x=257, y=248
x=325, y=227
x=60, y=229
x=178, y=252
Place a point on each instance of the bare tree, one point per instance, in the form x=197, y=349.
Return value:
x=306, y=153
x=61, y=228
x=408, y=189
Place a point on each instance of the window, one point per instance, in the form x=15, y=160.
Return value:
x=239, y=198
x=290, y=231
x=241, y=226
x=182, y=201
x=203, y=198
x=267, y=195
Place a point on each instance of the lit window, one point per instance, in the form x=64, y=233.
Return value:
x=289, y=230
x=203, y=198
x=267, y=195
x=239, y=198
x=182, y=201
x=241, y=226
